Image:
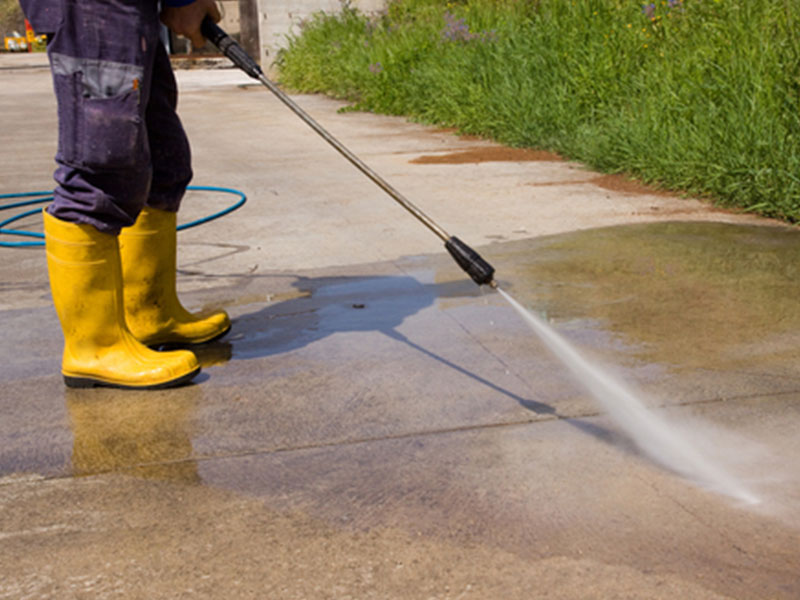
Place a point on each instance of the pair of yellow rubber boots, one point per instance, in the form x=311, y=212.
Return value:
x=115, y=296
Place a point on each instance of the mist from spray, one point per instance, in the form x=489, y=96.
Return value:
x=650, y=433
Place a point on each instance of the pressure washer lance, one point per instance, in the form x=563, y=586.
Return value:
x=469, y=260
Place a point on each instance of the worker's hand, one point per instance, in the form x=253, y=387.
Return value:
x=186, y=20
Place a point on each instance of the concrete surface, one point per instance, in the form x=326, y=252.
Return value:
x=376, y=426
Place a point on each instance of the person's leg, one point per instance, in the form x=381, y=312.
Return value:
x=171, y=157
x=149, y=248
x=101, y=58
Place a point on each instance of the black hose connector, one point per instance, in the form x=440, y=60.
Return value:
x=481, y=272
x=228, y=46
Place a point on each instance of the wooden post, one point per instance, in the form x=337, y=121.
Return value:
x=248, y=32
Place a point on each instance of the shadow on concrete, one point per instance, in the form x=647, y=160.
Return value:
x=330, y=305
x=149, y=434
x=540, y=408
x=327, y=305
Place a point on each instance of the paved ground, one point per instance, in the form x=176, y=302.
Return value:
x=375, y=426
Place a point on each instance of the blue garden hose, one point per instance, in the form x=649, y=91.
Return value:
x=42, y=197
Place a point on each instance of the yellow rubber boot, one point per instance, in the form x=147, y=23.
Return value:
x=152, y=309
x=99, y=350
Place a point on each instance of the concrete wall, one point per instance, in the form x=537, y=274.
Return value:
x=230, y=15
x=279, y=18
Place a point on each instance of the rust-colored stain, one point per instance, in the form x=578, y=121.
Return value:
x=614, y=183
x=611, y=182
x=564, y=182
x=620, y=183
x=487, y=154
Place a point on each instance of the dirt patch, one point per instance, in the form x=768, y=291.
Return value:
x=614, y=183
x=565, y=182
x=487, y=154
x=620, y=183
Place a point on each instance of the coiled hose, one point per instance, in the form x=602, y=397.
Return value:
x=42, y=197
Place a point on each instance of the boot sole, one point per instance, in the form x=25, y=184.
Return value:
x=88, y=382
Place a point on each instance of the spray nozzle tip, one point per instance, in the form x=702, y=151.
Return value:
x=481, y=272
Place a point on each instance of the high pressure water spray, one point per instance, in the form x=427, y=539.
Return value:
x=476, y=267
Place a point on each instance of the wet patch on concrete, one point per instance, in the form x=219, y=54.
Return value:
x=416, y=410
x=487, y=154
x=707, y=310
x=684, y=294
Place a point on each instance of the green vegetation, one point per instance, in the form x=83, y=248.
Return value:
x=701, y=96
x=10, y=18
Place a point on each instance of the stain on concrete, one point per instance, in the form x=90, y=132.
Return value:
x=614, y=183
x=487, y=154
x=620, y=183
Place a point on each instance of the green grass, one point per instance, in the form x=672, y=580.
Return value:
x=701, y=96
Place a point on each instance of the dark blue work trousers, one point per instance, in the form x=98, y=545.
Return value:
x=121, y=145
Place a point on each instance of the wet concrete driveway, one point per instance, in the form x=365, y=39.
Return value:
x=376, y=426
